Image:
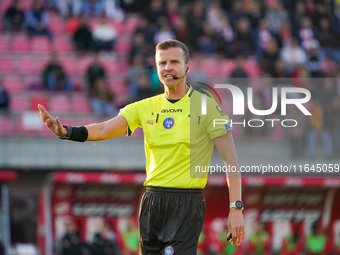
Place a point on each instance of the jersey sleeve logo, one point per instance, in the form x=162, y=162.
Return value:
x=228, y=127
x=168, y=123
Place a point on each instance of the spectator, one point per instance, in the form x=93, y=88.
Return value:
x=299, y=15
x=164, y=32
x=207, y=40
x=54, y=77
x=319, y=13
x=130, y=238
x=105, y=242
x=316, y=124
x=102, y=99
x=82, y=37
x=293, y=244
x=254, y=14
x=172, y=10
x=276, y=16
x=316, y=242
x=181, y=29
x=259, y=240
x=199, y=74
x=297, y=147
x=71, y=243
x=239, y=71
x=144, y=29
x=144, y=89
x=315, y=60
x=329, y=43
x=14, y=18
x=227, y=37
x=215, y=15
x=69, y=8
x=237, y=13
x=336, y=127
x=195, y=20
x=293, y=55
x=306, y=34
x=264, y=36
x=37, y=20
x=95, y=71
x=136, y=70
x=243, y=38
x=93, y=8
x=155, y=11
x=270, y=56
x=4, y=98
x=113, y=11
x=104, y=35
x=138, y=47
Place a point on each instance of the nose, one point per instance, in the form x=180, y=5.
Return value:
x=168, y=66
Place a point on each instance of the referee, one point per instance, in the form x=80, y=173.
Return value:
x=178, y=138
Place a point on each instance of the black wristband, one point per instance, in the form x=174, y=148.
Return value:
x=78, y=134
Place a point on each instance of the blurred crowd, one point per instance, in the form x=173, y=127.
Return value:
x=260, y=242
x=286, y=38
x=104, y=242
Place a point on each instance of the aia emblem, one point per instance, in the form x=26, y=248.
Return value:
x=168, y=123
x=169, y=250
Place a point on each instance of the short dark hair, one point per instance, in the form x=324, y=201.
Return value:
x=171, y=43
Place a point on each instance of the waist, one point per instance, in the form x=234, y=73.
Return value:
x=171, y=190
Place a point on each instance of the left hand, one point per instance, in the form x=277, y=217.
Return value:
x=236, y=226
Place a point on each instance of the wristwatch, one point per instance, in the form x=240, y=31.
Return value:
x=237, y=204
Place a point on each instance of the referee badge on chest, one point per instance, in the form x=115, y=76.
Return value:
x=168, y=123
x=169, y=250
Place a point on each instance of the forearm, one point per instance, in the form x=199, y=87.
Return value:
x=234, y=179
x=106, y=130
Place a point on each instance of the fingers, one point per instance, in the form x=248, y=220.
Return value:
x=235, y=234
x=59, y=128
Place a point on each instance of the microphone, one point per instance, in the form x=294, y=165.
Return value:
x=176, y=78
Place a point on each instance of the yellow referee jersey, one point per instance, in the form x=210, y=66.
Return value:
x=177, y=137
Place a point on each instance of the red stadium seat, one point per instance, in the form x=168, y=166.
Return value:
x=4, y=43
x=12, y=83
x=227, y=68
x=19, y=102
x=56, y=24
x=62, y=44
x=111, y=66
x=80, y=103
x=6, y=126
x=211, y=66
x=252, y=68
x=117, y=86
x=4, y=5
x=84, y=64
x=20, y=44
x=41, y=44
x=131, y=25
x=6, y=64
x=72, y=25
x=122, y=45
x=27, y=65
x=39, y=98
x=60, y=104
x=69, y=64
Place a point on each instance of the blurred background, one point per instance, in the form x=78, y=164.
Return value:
x=83, y=60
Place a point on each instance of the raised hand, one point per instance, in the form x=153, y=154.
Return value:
x=53, y=124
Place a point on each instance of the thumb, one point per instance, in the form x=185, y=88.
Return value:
x=59, y=128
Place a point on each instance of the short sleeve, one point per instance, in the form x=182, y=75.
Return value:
x=131, y=114
x=218, y=123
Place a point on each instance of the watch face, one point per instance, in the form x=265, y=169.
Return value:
x=239, y=204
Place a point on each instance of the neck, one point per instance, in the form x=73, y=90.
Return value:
x=176, y=92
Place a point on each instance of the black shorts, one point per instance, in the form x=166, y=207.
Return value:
x=170, y=221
